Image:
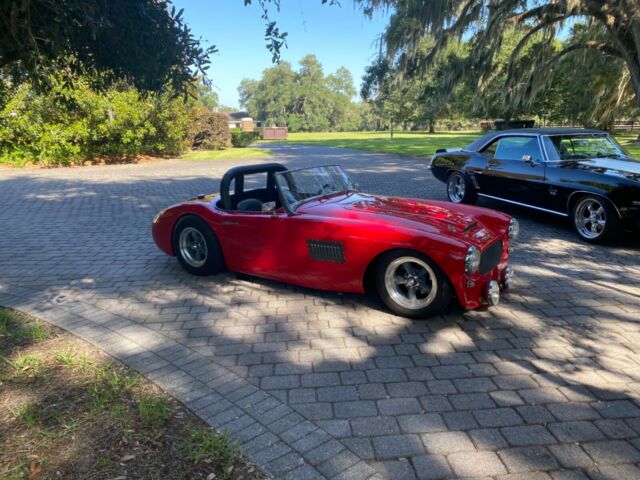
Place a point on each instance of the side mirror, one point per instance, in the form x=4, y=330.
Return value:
x=530, y=160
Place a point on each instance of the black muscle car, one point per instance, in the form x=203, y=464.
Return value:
x=582, y=174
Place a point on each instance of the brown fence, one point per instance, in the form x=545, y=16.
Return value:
x=275, y=133
x=627, y=125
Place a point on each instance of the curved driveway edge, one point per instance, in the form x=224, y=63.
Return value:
x=275, y=437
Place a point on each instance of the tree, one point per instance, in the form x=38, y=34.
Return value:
x=486, y=21
x=305, y=100
x=145, y=42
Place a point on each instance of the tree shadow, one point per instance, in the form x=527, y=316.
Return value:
x=559, y=355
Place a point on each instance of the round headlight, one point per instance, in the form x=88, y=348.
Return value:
x=514, y=229
x=472, y=260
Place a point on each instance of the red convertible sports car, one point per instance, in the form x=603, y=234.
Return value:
x=310, y=227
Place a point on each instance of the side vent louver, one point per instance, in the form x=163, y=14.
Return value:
x=326, y=251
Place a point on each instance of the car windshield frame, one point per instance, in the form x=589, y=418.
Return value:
x=287, y=179
x=558, y=157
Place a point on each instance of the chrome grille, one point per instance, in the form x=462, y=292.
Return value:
x=490, y=257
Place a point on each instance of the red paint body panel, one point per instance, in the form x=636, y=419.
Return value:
x=274, y=246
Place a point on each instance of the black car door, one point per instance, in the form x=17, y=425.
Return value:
x=515, y=170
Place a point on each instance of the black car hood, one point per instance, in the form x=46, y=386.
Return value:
x=617, y=167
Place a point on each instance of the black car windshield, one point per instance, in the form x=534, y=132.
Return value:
x=570, y=147
x=299, y=186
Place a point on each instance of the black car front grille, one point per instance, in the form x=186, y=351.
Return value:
x=491, y=257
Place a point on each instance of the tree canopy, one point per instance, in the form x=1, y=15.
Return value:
x=612, y=30
x=303, y=100
x=146, y=42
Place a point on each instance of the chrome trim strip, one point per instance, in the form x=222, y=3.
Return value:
x=637, y=204
x=523, y=205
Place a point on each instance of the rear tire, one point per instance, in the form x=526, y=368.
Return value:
x=460, y=190
x=197, y=247
x=411, y=284
x=595, y=220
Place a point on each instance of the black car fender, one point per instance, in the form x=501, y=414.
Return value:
x=443, y=164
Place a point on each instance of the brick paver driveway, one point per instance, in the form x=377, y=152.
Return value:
x=319, y=385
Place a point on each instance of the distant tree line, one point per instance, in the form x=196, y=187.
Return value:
x=303, y=100
x=583, y=88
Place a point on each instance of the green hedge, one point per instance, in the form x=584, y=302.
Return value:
x=240, y=139
x=71, y=125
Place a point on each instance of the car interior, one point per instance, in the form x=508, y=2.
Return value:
x=262, y=194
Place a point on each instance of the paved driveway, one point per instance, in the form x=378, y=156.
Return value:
x=321, y=385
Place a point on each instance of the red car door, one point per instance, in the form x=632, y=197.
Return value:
x=252, y=242
x=318, y=253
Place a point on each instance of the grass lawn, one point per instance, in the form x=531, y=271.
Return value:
x=68, y=410
x=626, y=137
x=228, y=154
x=414, y=144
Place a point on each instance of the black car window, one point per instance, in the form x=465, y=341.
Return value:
x=586, y=146
x=516, y=148
x=550, y=147
x=490, y=151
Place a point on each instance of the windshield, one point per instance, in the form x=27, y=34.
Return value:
x=568, y=147
x=299, y=186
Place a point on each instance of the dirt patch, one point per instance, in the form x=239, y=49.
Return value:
x=68, y=410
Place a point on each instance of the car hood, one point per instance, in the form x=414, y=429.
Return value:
x=427, y=216
x=617, y=167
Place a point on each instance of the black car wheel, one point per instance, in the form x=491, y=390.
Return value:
x=460, y=190
x=197, y=247
x=595, y=220
x=411, y=284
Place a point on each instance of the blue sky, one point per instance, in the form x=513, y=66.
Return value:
x=337, y=35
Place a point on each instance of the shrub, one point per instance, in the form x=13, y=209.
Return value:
x=70, y=125
x=240, y=139
x=208, y=130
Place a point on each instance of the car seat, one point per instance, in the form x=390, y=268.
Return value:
x=250, y=205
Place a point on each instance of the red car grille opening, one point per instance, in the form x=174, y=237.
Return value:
x=490, y=257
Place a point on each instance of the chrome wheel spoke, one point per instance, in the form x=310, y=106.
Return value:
x=400, y=280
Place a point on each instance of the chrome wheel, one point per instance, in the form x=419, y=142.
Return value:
x=456, y=188
x=590, y=218
x=193, y=247
x=411, y=282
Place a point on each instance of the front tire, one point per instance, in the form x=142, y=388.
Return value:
x=412, y=285
x=197, y=247
x=595, y=220
x=460, y=190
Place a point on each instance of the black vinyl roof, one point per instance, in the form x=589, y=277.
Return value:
x=480, y=142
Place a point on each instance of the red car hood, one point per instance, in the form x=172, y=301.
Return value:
x=429, y=216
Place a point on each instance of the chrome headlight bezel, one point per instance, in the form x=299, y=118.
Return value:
x=514, y=229
x=472, y=260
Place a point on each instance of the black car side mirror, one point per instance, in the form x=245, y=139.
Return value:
x=530, y=160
